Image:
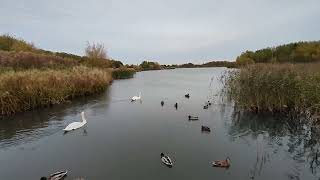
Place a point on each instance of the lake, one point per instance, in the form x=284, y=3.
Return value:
x=124, y=139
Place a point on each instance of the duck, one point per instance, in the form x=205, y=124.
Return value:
x=205, y=107
x=222, y=163
x=134, y=98
x=162, y=103
x=193, y=117
x=187, y=95
x=176, y=105
x=166, y=160
x=205, y=128
x=56, y=176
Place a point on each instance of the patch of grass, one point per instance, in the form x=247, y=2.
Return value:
x=25, y=90
x=123, y=73
x=275, y=88
x=29, y=60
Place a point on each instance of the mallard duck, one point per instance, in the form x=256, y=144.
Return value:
x=193, y=117
x=187, y=95
x=222, y=163
x=166, y=160
x=205, y=128
x=56, y=176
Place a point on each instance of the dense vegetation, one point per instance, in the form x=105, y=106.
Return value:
x=123, y=73
x=227, y=64
x=25, y=90
x=149, y=65
x=278, y=88
x=300, y=52
x=31, y=77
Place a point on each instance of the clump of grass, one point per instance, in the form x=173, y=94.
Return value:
x=29, y=60
x=25, y=90
x=276, y=88
x=123, y=73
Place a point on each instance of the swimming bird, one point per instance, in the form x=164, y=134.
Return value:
x=166, y=160
x=205, y=128
x=56, y=176
x=193, y=117
x=187, y=95
x=205, y=107
x=222, y=163
x=176, y=105
x=134, y=98
x=162, y=103
x=76, y=125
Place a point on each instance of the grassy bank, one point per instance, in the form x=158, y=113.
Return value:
x=29, y=89
x=276, y=88
x=29, y=60
x=31, y=77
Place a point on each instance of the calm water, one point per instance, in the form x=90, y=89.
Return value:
x=123, y=140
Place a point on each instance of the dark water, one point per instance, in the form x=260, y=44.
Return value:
x=123, y=140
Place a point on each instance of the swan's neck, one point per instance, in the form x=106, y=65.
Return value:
x=83, y=118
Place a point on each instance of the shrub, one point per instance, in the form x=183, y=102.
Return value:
x=123, y=73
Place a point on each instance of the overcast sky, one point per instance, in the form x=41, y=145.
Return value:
x=168, y=31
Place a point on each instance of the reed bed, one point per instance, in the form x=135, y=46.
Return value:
x=25, y=90
x=123, y=73
x=275, y=88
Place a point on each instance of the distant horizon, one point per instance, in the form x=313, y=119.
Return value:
x=167, y=31
x=154, y=60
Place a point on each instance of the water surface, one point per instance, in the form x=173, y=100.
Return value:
x=123, y=139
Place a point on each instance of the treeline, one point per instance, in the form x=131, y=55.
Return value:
x=227, y=64
x=299, y=52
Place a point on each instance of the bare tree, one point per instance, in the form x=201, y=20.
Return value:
x=96, y=51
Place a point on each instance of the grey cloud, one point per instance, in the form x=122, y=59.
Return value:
x=174, y=31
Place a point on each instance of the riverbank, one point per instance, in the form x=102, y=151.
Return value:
x=277, y=88
x=30, y=89
x=33, y=78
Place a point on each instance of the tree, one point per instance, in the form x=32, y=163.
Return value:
x=96, y=51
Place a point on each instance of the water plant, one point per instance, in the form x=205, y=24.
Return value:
x=25, y=90
x=123, y=73
x=275, y=88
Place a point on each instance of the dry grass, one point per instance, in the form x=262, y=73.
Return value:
x=28, y=60
x=276, y=87
x=25, y=90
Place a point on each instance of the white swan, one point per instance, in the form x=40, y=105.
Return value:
x=76, y=125
x=134, y=98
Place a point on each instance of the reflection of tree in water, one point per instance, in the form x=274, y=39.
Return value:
x=301, y=137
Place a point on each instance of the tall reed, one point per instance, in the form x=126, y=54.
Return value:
x=275, y=87
x=25, y=90
x=123, y=73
